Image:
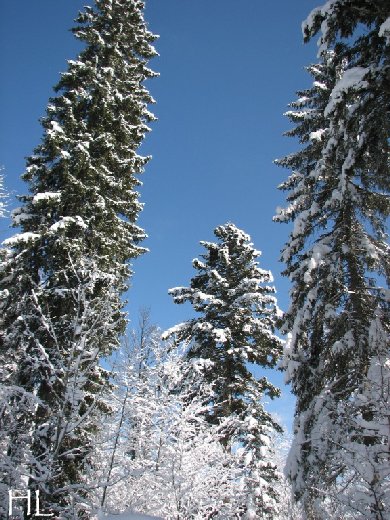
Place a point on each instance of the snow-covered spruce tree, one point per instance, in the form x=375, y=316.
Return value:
x=78, y=234
x=235, y=326
x=337, y=258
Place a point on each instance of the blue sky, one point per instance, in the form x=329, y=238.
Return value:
x=227, y=69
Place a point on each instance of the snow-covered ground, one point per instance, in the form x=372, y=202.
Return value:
x=127, y=516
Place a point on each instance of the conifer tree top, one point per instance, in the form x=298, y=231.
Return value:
x=236, y=306
x=229, y=284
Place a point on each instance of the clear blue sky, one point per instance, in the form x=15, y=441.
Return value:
x=227, y=69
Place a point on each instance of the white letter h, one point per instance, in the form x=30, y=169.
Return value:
x=28, y=497
x=11, y=498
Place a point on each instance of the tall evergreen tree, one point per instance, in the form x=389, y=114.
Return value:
x=235, y=326
x=338, y=259
x=65, y=271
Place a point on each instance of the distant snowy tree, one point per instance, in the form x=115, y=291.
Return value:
x=139, y=352
x=158, y=455
x=64, y=273
x=338, y=261
x=3, y=195
x=288, y=508
x=235, y=325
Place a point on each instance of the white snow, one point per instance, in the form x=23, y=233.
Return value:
x=127, y=516
x=317, y=135
x=351, y=79
x=65, y=221
x=46, y=196
x=20, y=237
x=55, y=128
x=220, y=335
x=18, y=216
x=384, y=30
x=298, y=114
x=309, y=22
x=320, y=85
x=325, y=12
x=300, y=223
x=77, y=63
